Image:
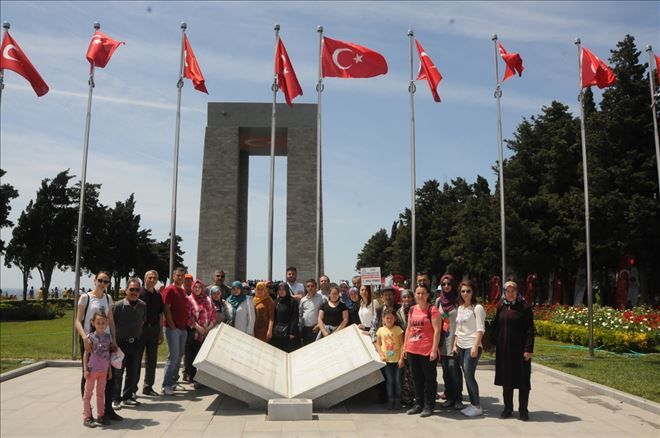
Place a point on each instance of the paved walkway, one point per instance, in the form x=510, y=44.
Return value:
x=47, y=403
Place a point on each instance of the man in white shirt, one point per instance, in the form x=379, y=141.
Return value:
x=324, y=283
x=297, y=290
x=310, y=305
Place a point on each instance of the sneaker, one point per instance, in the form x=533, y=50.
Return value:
x=88, y=422
x=447, y=404
x=458, y=405
x=506, y=413
x=102, y=421
x=116, y=405
x=150, y=392
x=130, y=402
x=472, y=411
x=427, y=412
x=177, y=387
x=167, y=390
x=414, y=410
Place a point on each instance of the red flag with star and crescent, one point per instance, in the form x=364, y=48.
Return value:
x=286, y=76
x=101, y=48
x=341, y=59
x=657, y=66
x=191, y=68
x=595, y=71
x=428, y=71
x=513, y=61
x=14, y=59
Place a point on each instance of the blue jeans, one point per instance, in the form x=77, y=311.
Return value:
x=469, y=365
x=451, y=375
x=329, y=328
x=176, y=343
x=393, y=375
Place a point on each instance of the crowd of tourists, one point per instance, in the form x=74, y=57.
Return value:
x=413, y=331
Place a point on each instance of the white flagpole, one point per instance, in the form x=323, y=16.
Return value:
x=175, y=169
x=498, y=95
x=6, y=26
x=81, y=207
x=654, y=110
x=411, y=90
x=319, y=90
x=272, y=161
x=586, y=201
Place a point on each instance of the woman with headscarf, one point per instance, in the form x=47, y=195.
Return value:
x=353, y=306
x=239, y=309
x=513, y=337
x=285, y=331
x=447, y=303
x=407, y=388
x=201, y=319
x=264, y=309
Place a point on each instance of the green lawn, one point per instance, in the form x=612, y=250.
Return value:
x=39, y=340
x=638, y=375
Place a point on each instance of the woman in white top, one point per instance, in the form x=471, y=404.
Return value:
x=367, y=310
x=470, y=327
x=239, y=309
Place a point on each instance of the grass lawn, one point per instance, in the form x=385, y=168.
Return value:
x=638, y=375
x=39, y=340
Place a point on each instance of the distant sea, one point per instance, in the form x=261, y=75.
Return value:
x=19, y=292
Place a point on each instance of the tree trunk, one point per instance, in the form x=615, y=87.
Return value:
x=26, y=277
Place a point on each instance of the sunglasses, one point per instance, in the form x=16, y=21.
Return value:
x=134, y=289
x=466, y=291
x=102, y=281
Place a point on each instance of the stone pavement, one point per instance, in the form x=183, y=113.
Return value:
x=47, y=403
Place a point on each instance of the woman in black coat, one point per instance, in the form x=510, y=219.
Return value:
x=513, y=337
x=285, y=328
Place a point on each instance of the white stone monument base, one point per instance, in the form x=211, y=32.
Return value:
x=290, y=409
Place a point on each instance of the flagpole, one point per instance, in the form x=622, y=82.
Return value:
x=272, y=161
x=81, y=207
x=319, y=90
x=654, y=110
x=498, y=95
x=586, y=200
x=411, y=90
x=175, y=170
x=6, y=26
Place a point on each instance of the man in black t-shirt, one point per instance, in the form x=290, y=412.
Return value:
x=152, y=333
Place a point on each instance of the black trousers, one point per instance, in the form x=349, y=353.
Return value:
x=523, y=398
x=192, y=348
x=308, y=335
x=424, y=374
x=188, y=356
x=131, y=365
x=149, y=355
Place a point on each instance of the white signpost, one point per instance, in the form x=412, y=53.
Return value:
x=370, y=276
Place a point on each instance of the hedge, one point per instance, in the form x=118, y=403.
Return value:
x=611, y=340
x=29, y=311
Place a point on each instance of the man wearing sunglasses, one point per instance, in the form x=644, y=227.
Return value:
x=219, y=280
x=129, y=315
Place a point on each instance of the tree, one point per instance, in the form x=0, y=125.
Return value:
x=374, y=252
x=54, y=221
x=20, y=252
x=7, y=193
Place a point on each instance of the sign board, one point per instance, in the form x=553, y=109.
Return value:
x=370, y=276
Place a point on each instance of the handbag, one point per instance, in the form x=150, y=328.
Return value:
x=281, y=330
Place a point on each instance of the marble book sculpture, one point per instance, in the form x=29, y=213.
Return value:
x=327, y=371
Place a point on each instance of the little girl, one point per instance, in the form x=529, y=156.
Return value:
x=97, y=369
x=389, y=339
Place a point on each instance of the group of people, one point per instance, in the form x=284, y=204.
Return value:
x=410, y=330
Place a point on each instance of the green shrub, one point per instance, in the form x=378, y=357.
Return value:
x=29, y=311
x=611, y=340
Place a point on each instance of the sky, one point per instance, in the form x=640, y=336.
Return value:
x=366, y=131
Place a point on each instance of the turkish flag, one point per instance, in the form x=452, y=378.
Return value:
x=286, y=77
x=428, y=71
x=595, y=71
x=191, y=69
x=101, y=48
x=340, y=59
x=657, y=67
x=513, y=61
x=14, y=59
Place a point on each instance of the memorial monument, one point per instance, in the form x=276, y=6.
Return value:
x=327, y=371
x=234, y=133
